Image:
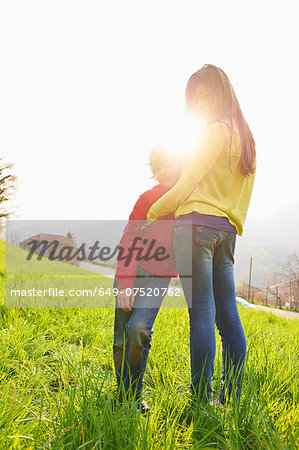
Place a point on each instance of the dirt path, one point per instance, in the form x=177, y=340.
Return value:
x=102, y=270
x=278, y=312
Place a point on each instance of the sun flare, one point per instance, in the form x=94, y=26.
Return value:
x=179, y=135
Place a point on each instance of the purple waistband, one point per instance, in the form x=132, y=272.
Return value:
x=205, y=220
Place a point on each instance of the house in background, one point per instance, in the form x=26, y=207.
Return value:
x=63, y=242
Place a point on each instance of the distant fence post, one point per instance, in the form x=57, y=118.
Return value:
x=249, y=281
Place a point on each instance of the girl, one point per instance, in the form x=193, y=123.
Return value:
x=213, y=191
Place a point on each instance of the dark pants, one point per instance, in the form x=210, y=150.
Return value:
x=213, y=298
x=133, y=331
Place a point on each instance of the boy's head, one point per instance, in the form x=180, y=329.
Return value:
x=165, y=166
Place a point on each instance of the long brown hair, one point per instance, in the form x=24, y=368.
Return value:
x=209, y=93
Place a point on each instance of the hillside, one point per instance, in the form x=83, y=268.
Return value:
x=16, y=263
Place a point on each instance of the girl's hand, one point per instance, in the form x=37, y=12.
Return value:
x=126, y=299
x=146, y=224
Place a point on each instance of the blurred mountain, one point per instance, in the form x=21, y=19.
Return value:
x=282, y=226
x=268, y=241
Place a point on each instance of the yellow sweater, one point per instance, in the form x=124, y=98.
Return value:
x=207, y=185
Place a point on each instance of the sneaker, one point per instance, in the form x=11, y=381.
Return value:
x=143, y=407
x=216, y=403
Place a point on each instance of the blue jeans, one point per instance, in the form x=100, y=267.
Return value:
x=213, y=299
x=133, y=332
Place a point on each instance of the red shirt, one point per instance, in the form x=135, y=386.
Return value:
x=160, y=232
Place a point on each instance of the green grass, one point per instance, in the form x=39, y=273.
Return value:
x=16, y=264
x=57, y=384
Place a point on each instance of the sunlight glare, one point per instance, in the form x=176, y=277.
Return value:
x=180, y=134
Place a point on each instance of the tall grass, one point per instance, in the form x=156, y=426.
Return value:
x=58, y=389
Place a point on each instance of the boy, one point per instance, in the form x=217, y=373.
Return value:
x=134, y=327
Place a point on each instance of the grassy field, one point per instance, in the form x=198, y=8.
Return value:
x=57, y=384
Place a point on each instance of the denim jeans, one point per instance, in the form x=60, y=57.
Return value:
x=213, y=300
x=133, y=332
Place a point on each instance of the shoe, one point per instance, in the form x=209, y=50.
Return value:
x=216, y=403
x=143, y=407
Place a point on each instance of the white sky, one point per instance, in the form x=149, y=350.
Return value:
x=86, y=87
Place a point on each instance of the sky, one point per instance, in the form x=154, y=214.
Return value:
x=87, y=88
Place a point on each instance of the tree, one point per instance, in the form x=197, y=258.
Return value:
x=291, y=273
x=8, y=185
x=287, y=277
